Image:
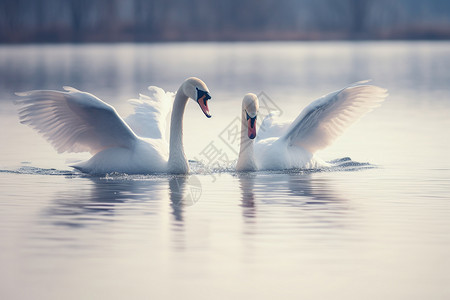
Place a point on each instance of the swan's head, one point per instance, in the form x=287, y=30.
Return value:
x=197, y=90
x=250, y=106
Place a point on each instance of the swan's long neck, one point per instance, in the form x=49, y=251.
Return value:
x=177, y=159
x=246, y=160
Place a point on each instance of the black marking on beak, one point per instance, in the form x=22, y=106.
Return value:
x=252, y=120
x=202, y=99
x=201, y=93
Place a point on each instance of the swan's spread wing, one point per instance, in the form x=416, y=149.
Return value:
x=321, y=122
x=74, y=121
x=151, y=113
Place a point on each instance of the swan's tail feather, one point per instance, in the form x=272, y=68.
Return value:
x=151, y=113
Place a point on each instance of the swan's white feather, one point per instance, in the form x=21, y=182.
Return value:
x=74, y=121
x=150, y=117
x=321, y=122
x=271, y=126
x=284, y=145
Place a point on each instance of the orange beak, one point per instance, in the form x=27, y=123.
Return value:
x=203, y=102
x=251, y=124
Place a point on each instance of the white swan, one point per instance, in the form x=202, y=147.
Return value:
x=76, y=121
x=292, y=145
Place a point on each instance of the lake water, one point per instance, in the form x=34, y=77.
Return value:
x=372, y=231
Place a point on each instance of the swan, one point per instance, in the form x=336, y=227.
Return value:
x=76, y=121
x=288, y=145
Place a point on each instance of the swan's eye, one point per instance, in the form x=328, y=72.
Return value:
x=201, y=93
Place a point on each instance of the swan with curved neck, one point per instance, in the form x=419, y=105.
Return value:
x=76, y=121
x=288, y=145
x=195, y=89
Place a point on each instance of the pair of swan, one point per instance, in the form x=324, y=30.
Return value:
x=76, y=121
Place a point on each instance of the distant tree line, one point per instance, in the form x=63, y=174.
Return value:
x=178, y=20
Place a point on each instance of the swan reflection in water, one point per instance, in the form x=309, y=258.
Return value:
x=97, y=200
x=88, y=201
x=184, y=190
x=309, y=191
x=247, y=184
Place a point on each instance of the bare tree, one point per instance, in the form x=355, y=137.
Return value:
x=107, y=19
x=80, y=11
x=11, y=17
x=359, y=12
x=150, y=20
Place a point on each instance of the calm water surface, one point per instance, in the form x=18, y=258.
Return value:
x=366, y=232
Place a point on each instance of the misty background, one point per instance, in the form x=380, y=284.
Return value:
x=25, y=21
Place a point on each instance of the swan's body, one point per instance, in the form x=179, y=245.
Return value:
x=76, y=121
x=293, y=144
